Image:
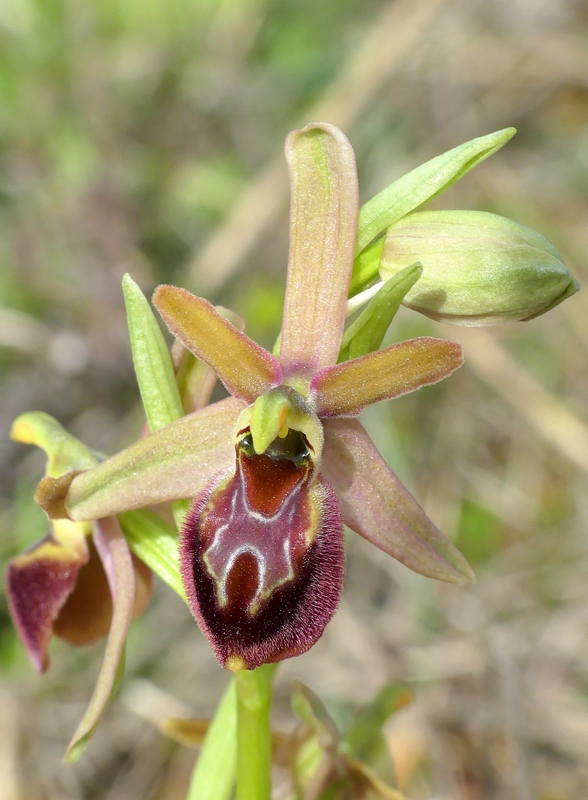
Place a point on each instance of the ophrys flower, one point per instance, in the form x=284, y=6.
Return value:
x=277, y=469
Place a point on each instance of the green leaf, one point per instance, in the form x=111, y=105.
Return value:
x=310, y=709
x=216, y=769
x=154, y=369
x=366, y=333
x=419, y=186
x=364, y=739
x=156, y=544
x=153, y=364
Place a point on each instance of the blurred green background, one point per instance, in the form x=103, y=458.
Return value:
x=146, y=136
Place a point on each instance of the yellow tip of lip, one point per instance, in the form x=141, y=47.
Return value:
x=235, y=663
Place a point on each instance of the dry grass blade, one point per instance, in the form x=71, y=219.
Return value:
x=557, y=424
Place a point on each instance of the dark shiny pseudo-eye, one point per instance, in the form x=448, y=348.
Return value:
x=262, y=554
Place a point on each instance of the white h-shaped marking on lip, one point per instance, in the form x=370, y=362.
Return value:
x=221, y=580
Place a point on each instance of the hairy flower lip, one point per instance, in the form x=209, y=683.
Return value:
x=51, y=565
x=290, y=619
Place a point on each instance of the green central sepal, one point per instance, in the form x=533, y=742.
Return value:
x=277, y=412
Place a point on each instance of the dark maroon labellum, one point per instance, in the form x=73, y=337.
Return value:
x=262, y=555
x=37, y=591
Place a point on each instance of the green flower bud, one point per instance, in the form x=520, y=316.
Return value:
x=478, y=268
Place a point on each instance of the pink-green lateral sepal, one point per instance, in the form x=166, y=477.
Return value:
x=173, y=463
x=345, y=390
x=39, y=582
x=323, y=220
x=118, y=565
x=376, y=505
x=245, y=368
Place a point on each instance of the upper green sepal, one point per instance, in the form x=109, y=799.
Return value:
x=478, y=268
x=154, y=369
x=275, y=413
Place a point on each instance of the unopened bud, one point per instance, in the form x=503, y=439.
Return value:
x=478, y=268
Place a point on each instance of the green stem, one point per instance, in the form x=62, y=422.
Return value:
x=254, y=748
x=214, y=774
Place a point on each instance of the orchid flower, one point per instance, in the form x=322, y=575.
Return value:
x=80, y=582
x=276, y=469
x=68, y=583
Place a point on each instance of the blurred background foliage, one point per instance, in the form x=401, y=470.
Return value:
x=145, y=136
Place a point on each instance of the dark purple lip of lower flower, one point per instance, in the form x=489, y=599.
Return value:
x=262, y=555
x=37, y=591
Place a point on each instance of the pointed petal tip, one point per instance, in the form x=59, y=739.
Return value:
x=118, y=564
x=439, y=560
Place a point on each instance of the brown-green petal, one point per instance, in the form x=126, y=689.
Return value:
x=194, y=378
x=245, y=368
x=116, y=557
x=346, y=389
